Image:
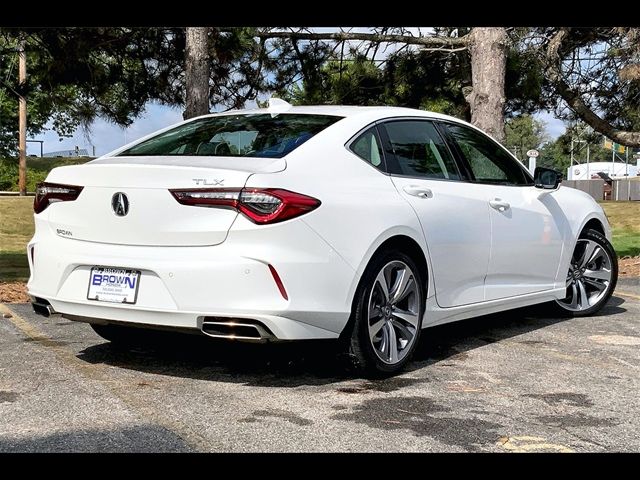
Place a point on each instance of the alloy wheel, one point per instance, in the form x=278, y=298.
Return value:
x=589, y=276
x=394, y=311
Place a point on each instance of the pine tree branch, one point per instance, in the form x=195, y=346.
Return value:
x=434, y=43
x=556, y=48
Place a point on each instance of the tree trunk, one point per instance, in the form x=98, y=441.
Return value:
x=488, y=48
x=197, y=72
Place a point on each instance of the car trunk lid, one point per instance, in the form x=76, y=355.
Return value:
x=126, y=200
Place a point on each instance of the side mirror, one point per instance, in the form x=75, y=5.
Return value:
x=546, y=178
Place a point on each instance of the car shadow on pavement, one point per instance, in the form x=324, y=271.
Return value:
x=453, y=340
x=310, y=362
x=145, y=438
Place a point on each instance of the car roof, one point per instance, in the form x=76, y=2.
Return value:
x=345, y=111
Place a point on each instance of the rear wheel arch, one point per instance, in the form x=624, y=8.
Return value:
x=401, y=243
x=410, y=247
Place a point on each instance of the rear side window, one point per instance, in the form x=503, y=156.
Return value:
x=417, y=150
x=488, y=161
x=367, y=146
x=249, y=135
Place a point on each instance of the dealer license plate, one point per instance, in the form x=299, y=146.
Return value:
x=116, y=285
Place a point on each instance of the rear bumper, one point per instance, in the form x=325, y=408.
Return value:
x=277, y=328
x=180, y=286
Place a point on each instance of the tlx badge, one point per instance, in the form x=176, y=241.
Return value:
x=204, y=181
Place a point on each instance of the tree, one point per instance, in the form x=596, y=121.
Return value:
x=592, y=70
x=426, y=78
x=197, y=72
x=400, y=80
x=481, y=74
x=45, y=104
x=487, y=47
x=79, y=74
x=354, y=82
x=557, y=154
x=591, y=74
x=524, y=133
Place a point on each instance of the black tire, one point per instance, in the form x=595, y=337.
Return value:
x=560, y=306
x=356, y=342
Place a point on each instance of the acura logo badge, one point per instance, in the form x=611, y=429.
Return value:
x=120, y=204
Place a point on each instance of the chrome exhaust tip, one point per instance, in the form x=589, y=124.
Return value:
x=43, y=307
x=241, y=329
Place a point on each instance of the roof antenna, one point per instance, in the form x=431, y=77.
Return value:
x=278, y=105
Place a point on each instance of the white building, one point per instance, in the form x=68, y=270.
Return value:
x=78, y=152
x=585, y=171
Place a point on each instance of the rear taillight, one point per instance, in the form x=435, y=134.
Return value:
x=48, y=193
x=260, y=205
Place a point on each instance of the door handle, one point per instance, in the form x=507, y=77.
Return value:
x=499, y=204
x=418, y=191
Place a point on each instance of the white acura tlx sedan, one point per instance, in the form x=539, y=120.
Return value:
x=363, y=224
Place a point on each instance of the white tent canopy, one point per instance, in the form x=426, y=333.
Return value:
x=585, y=172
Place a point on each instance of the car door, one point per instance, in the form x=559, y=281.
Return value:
x=526, y=238
x=453, y=214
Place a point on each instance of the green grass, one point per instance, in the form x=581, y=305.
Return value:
x=16, y=228
x=13, y=267
x=16, y=213
x=624, y=218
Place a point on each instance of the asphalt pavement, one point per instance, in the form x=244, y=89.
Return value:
x=518, y=381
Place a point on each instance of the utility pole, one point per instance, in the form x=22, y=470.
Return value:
x=626, y=162
x=572, y=151
x=22, y=118
x=613, y=159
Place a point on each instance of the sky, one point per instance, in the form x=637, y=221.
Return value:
x=106, y=136
x=554, y=126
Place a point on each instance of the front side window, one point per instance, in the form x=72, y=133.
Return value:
x=252, y=135
x=417, y=150
x=367, y=146
x=488, y=161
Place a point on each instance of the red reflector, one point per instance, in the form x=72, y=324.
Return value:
x=278, y=281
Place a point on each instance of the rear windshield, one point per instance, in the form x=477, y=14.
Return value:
x=257, y=135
